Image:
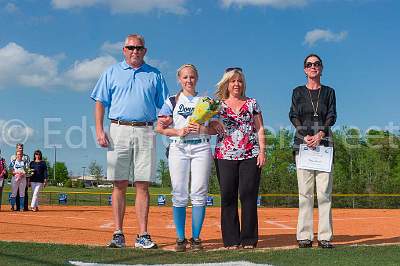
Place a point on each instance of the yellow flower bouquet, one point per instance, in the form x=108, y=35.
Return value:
x=29, y=172
x=204, y=110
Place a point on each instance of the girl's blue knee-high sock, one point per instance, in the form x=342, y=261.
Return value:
x=21, y=203
x=12, y=202
x=180, y=220
x=198, y=213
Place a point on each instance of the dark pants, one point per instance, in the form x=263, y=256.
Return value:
x=239, y=177
x=1, y=192
x=26, y=203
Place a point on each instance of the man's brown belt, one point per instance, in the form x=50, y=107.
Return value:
x=131, y=123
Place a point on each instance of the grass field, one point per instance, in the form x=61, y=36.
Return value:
x=14, y=253
x=7, y=187
x=85, y=199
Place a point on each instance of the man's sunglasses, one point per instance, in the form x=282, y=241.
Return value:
x=132, y=47
x=310, y=64
x=233, y=68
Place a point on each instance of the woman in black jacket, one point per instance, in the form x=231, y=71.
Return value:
x=313, y=112
x=38, y=179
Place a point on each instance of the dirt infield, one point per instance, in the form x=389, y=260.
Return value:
x=277, y=226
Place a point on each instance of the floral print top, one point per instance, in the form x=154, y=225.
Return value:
x=240, y=140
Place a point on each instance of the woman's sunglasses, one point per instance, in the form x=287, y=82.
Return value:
x=310, y=64
x=233, y=68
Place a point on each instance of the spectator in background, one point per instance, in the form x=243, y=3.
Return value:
x=39, y=178
x=3, y=175
x=26, y=159
x=18, y=169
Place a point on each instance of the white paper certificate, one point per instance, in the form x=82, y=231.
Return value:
x=319, y=158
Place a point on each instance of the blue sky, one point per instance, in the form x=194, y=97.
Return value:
x=53, y=51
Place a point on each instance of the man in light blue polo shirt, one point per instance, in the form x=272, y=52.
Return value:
x=131, y=91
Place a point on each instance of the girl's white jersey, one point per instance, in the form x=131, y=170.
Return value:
x=180, y=114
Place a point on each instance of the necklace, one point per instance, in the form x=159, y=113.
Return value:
x=315, y=109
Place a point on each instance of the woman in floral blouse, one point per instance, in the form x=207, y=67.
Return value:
x=239, y=157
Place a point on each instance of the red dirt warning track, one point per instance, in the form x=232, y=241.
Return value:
x=277, y=226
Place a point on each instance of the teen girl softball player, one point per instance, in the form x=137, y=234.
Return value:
x=18, y=181
x=189, y=157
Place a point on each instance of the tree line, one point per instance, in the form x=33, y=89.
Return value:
x=367, y=163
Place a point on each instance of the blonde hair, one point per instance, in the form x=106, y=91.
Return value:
x=222, y=85
x=134, y=36
x=178, y=74
x=178, y=71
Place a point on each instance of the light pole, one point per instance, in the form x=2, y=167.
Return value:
x=83, y=173
x=55, y=162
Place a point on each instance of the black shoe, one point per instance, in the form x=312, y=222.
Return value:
x=305, y=243
x=180, y=245
x=325, y=244
x=118, y=241
x=195, y=244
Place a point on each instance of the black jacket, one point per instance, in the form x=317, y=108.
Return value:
x=302, y=114
x=40, y=171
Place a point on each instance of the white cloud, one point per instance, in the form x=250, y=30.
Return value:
x=271, y=3
x=112, y=48
x=14, y=131
x=161, y=65
x=11, y=8
x=20, y=67
x=126, y=6
x=83, y=74
x=323, y=35
x=67, y=4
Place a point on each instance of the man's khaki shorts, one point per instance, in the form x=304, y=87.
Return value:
x=131, y=154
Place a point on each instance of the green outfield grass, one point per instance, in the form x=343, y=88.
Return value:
x=95, y=189
x=88, y=197
x=13, y=253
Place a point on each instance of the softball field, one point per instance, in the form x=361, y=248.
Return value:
x=277, y=226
